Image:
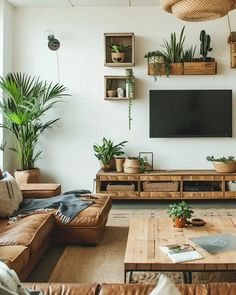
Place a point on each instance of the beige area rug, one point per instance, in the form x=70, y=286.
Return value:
x=104, y=263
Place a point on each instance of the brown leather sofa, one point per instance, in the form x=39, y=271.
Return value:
x=130, y=289
x=23, y=243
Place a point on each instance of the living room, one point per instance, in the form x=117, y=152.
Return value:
x=69, y=42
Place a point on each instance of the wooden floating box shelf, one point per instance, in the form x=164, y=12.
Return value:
x=122, y=39
x=200, y=68
x=116, y=82
x=187, y=68
x=159, y=69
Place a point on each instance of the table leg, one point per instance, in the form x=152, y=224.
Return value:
x=187, y=277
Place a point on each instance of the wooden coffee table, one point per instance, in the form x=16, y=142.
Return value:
x=147, y=234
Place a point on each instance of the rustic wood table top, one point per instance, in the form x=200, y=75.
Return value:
x=147, y=234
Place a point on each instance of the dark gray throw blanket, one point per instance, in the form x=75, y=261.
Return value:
x=67, y=205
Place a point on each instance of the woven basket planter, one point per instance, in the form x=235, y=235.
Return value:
x=225, y=167
x=161, y=186
x=198, y=10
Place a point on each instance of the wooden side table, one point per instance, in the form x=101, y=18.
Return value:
x=40, y=190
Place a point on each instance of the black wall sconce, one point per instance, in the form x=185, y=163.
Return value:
x=53, y=43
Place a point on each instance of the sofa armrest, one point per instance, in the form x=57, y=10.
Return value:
x=40, y=190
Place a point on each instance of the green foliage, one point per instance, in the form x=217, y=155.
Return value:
x=174, y=48
x=205, y=46
x=107, y=150
x=142, y=164
x=222, y=159
x=158, y=59
x=188, y=54
x=25, y=101
x=172, y=53
x=180, y=210
x=110, y=84
x=116, y=48
x=155, y=56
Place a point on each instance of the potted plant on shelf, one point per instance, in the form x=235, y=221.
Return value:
x=111, y=92
x=169, y=60
x=118, y=52
x=173, y=50
x=158, y=64
x=205, y=46
x=180, y=212
x=25, y=101
x=106, y=153
x=223, y=164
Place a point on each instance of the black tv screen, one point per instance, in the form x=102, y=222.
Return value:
x=190, y=113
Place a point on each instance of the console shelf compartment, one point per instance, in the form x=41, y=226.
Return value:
x=206, y=184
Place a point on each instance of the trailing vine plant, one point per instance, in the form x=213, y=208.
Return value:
x=129, y=93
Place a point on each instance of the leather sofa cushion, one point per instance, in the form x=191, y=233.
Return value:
x=93, y=216
x=193, y=289
x=126, y=289
x=29, y=231
x=16, y=257
x=145, y=289
x=66, y=289
x=222, y=288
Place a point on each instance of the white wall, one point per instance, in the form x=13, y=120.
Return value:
x=6, y=46
x=67, y=151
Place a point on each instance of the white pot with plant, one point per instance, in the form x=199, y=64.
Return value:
x=106, y=153
x=25, y=101
x=223, y=164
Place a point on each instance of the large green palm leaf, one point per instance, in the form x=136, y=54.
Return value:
x=25, y=101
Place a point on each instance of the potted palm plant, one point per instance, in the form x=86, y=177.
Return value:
x=180, y=213
x=25, y=101
x=106, y=152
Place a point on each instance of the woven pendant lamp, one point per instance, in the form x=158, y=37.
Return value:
x=198, y=10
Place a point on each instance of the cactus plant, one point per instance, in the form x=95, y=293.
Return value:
x=205, y=44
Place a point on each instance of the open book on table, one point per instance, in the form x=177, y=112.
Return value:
x=181, y=253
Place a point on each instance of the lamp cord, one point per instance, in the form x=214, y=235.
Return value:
x=58, y=67
x=230, y=31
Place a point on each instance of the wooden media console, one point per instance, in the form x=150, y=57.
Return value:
x=166, y=184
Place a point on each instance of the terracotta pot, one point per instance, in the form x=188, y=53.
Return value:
x=225, y=167
x=119, y=164
x=118, y=57
x=132, y=165
x=27, y=176
x=108, y=167
x=180, y=222
x=111, y=93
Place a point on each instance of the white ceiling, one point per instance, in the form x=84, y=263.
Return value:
x=68, y=3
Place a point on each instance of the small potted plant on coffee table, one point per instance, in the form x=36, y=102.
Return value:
x=180, y=212
x=223, y=164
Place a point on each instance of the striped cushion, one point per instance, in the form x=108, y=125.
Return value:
x=10, y=195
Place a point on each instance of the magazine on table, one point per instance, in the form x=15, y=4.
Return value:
x=181, y=253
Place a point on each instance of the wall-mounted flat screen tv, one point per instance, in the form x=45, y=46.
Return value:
x=190, y=113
